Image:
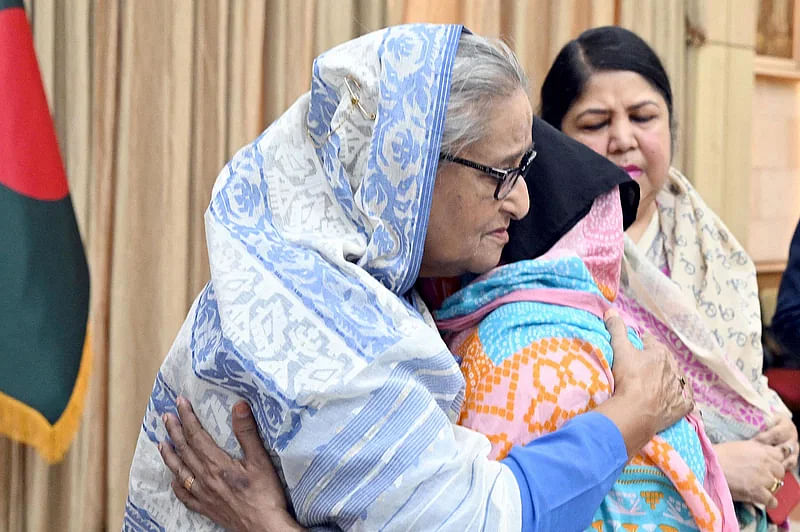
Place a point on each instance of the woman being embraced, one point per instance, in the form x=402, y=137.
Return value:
x=685, y=277
x=534, y=352
x=317, y=233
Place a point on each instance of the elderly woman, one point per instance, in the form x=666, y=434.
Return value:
x=317, y=233
x=685, y=277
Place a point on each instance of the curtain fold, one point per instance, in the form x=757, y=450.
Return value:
x=150, y=99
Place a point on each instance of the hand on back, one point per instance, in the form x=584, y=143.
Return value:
x=243, y=495
x=650, y=393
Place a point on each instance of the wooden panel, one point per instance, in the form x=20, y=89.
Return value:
x=662, y=24
x=775, y=28
x=734, y=182
x=775, y=187
x=712, y=17
x=768, y=284
x=742, y=23
x=719, y=117
x=706, y=128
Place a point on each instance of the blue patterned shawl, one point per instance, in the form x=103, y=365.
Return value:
x=315, y=235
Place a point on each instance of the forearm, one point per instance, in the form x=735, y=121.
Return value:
x=637, y=428
x=282, y=522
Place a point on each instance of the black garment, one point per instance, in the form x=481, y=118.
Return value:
x=786, y=321
x=563, y=182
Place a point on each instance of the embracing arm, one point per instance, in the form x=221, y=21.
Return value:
x=649, y=395
x=558, y=492
x=229, y=495
x=241, y=495
x=375, y=455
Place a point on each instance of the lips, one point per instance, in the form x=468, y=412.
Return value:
x=633, y=171
x=500, y=234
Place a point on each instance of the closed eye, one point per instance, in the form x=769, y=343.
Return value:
x=641, y=119
x=594, y=126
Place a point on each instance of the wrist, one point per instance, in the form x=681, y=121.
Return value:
x=280, y=521
x=636, y=427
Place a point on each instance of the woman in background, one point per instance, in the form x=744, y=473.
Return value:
x=685, y=277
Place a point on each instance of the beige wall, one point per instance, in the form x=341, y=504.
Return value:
x=742, y=131
x=775, y=185
x=719, y=94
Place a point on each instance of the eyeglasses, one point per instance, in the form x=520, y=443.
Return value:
x=506, y=177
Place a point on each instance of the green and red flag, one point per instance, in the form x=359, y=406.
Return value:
x=44, y=278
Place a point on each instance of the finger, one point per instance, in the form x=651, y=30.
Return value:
x=775, y=435
x=184, y=451
x=617, y=328
x=763, y=496
x=773, y=502
x=187, y=498
x=776, y=456
x=688, y=395
x=200, y=442
x=794, y=450
x=777, y=481
x=765, y=437
x=787, y=449
x=173, y=461
x=671, y=362
x=246, y=431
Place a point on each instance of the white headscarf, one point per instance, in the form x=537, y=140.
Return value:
x=315, y=237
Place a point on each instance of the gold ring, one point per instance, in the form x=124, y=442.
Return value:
x=188, y=483
x=776, y=486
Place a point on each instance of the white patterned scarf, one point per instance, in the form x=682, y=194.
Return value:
x=706, y=310
x=709, y=303
x=315, y=236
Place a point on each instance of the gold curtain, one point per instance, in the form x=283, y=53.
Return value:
x=537, y=29
x=150, y=98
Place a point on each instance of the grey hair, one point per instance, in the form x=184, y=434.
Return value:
x=483, y=69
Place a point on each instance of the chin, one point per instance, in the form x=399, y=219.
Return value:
x=482, y=266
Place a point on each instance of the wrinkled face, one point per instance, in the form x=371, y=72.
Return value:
x=467, y=228
x=622, y=117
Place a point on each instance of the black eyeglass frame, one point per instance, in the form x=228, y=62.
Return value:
x=504, y=176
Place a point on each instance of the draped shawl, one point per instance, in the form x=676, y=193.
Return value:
x=315, y=236
x=709, y=302
x=706, y=310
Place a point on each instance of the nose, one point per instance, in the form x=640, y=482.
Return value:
x=621, y=136
x=517, y=203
